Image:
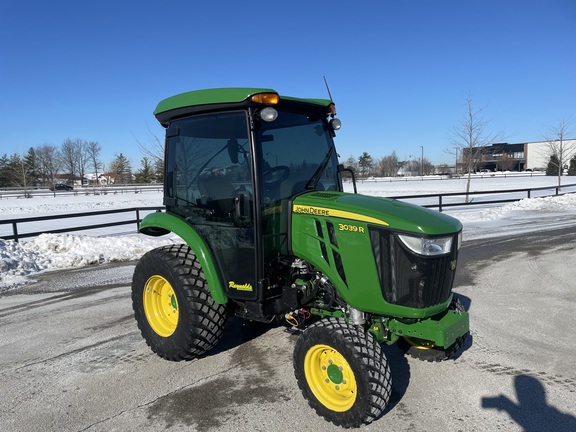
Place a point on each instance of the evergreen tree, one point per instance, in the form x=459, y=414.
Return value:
x=572, y=167
x=159, y=169
x=30, y=167
x=146, y=173
x=553, y=166
x=5, y=177
x=121, y=170
x=15, y=172
x=365, y=163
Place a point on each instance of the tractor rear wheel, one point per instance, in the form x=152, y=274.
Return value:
x=172, y=304
x=342, y=372
x=427, y=350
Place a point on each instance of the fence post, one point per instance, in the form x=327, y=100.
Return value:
x=15, y=231
x=137, y=220
x=440, y=203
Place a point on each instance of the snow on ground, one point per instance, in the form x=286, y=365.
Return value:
x=20, y=261
x=58, y=251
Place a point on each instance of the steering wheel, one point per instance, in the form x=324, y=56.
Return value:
x=275, y=175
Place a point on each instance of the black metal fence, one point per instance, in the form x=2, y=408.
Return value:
x=18, y=192
x=513, y=195
x=134, y=219
x=455, y=198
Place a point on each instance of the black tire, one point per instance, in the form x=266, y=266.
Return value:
x=342, y=372
x=172, y=304
x=427, y=351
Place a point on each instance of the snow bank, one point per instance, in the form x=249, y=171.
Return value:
x=535, y=207
x=57, y=251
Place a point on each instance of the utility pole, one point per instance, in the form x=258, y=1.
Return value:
x=456, y=165
x=422, y=162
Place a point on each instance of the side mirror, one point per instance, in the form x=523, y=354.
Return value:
x=342, y=169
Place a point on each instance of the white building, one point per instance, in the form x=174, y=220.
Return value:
x=538, y=153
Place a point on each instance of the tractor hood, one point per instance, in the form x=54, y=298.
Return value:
x=384, y=212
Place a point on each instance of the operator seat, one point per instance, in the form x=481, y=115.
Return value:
x=217, y=193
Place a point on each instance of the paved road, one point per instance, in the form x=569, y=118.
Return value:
x=72, y=359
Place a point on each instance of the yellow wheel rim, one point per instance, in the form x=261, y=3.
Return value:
x=160, y=306
x=330, y=378
x=420, y=343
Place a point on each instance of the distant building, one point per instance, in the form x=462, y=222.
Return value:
x=511, y=157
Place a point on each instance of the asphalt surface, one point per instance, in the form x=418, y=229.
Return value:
x=72, y=358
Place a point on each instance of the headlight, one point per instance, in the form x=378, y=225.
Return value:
x=268, y=114
x=427, y=246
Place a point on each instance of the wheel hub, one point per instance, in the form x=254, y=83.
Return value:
x=335, y=374
x=160, y=306
x=330, y=378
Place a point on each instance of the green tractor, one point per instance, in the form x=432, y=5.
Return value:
x=254, y=189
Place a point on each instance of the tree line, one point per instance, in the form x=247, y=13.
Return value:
x=75, y=161
x=391, y=166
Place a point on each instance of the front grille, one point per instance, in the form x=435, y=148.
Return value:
x=407, y=279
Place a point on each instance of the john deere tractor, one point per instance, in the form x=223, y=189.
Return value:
x=254, y=189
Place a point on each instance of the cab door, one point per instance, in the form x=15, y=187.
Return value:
x=209, y=184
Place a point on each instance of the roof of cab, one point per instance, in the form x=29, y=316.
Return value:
x=217, y=96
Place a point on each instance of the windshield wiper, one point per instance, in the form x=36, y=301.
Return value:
x=313, y=182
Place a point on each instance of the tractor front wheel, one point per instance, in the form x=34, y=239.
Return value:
x=172, y=304
x=342, y=372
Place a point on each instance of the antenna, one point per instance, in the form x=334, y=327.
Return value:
x=328, y=89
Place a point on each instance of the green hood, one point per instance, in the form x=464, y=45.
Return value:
x=391, y=213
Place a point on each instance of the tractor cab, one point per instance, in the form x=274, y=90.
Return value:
x=232, y=168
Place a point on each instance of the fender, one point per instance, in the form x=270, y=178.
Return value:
x=157, y=224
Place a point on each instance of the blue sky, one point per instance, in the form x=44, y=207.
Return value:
x=399, y=71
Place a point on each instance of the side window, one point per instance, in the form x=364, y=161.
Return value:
x=208, y=166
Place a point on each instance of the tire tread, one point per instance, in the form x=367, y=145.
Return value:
x=206, y=318
x=366, y=353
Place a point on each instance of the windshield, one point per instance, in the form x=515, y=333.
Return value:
x=294, y=147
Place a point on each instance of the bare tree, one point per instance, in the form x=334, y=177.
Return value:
x=387, y=166
x=471, y=135
x=74, y=157
x=154, y=148
x=351, y=163
x=48, y=161
x=560, y=148
x=81, y=158
x=21, y=173
x=93, y=150
x=68, y=157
